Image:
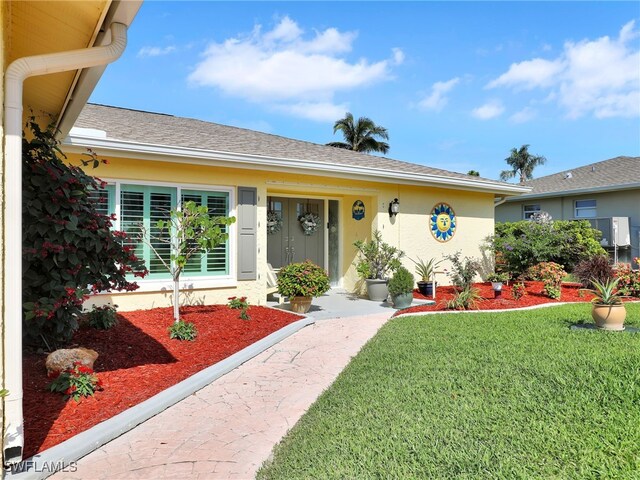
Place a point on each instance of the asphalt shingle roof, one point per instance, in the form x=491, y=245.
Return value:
x=162, y=129
x=615, y=172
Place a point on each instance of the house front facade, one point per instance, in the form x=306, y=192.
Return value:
x=606, y=193
x=293, y=201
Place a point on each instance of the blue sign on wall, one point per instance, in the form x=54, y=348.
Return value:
x=357, y=211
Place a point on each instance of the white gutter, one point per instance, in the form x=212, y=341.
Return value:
x=148, y=151
x=16, y=73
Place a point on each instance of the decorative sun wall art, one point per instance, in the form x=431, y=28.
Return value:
x=443, y=222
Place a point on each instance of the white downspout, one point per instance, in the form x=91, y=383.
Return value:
x=15, y=75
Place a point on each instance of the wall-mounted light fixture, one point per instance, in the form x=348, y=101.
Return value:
x=394, y=207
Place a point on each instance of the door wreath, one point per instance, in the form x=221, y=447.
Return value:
x=309, y=223
x=274, y=222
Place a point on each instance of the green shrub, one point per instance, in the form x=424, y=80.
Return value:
x=464, y=299
x=518, y=290
x=595, y=268
x=182, y=330
x=69, y=249
x=521, y=245
x=462, y=271
x=102, y=318
x=501, y=277
x=401, y=282
x=304, y=279
x=376, y=259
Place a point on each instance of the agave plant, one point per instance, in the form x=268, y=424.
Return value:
x=605, y=292
x=425, y=269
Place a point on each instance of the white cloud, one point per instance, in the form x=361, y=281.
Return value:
x=489, y=110
x=523, y=116
x=438, y=99
x=529, y=74
x=320, y=111
x=288, y=72
x=592, y=77
x=398, y=56
x=155, y=51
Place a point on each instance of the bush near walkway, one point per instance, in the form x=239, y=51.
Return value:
x=477, y=396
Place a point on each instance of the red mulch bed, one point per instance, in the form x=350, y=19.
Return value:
x=137, y=360
x=570, y=293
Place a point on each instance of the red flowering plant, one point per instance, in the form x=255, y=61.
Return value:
x=551, y=275
x=628, y=279
x=77, y=381
x=69, y=249
x=240, y=304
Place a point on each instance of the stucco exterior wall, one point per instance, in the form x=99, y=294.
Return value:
x=3, y=41
x=623, y=203
x=409, y=230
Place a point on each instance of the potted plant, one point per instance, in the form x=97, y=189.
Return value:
x=425, y=271
x=401, y=288
x=608, y=311
x=300, y=282
x=497, y=280
x=376, y=260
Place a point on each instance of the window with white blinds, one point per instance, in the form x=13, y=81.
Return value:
x=144, y=205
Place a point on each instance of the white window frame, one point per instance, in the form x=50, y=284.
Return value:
x=186, y=282
x=577, y=209
x=530, y=212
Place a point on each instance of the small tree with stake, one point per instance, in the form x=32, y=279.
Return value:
x=191, y=230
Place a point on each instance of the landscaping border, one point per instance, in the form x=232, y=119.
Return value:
x=58, y=457
x=497, y=310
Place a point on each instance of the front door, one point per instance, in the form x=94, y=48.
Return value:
x=299, y=233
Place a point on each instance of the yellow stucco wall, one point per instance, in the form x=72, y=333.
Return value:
x=409, y=230
x=3, y=40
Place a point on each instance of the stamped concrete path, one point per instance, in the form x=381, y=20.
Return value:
x=228, y=429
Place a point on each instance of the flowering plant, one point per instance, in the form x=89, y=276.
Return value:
x=240, y=304
x=551, y=275
x=628, y=280
x=77, y=381
x=303, y=279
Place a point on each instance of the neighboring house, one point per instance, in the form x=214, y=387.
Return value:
x=606, y=193
x=269, y=182
x=56, y=86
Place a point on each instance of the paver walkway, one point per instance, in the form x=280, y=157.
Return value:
x=228, y=429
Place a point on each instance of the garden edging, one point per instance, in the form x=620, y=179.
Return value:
x=46, y=463
x=531, y=307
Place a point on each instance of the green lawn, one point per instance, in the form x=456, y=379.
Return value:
x=480, y=395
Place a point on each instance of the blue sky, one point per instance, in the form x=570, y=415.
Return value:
x=457, y=84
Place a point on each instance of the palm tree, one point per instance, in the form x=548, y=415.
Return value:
x=522, y=163
x=359, y=136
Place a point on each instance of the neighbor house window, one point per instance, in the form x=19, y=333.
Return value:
x=585, y=209
x=529, y=210
x=139, y=206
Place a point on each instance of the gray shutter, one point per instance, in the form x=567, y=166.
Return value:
x=247, y=233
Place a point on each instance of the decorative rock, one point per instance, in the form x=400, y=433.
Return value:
x=62, y=359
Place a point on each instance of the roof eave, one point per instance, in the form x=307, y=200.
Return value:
x=126, y=149
x=119, y=11
x=581, y=191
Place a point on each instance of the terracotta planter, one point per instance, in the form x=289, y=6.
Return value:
x=609, y=317
x=377, y=289
x=300, y=304
x=403, y=300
